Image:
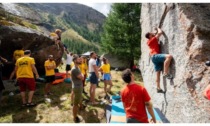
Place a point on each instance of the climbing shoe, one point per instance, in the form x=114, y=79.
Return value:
x=106, y=97
x=84, y=92
x=168, y=76
x=160, y=91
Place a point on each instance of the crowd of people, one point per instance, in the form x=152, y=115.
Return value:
x=135, y=97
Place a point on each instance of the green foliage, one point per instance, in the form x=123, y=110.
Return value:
x=82, y=30
x=79, y=47
x=52, y=19
x=122, y=31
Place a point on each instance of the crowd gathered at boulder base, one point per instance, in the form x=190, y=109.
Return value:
x=80, y=68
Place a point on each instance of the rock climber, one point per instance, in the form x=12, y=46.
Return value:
x=161, y=61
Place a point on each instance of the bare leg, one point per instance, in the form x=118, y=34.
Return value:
x=12, y=74
x=110, y=83
x=47, y=88
x=167, y=63
x=72, y=96
x=30, y=96
x=92, y=93
x=158, y=79
x=23, y=96
x=67, y=74
x=75, y=110
x=105, y=87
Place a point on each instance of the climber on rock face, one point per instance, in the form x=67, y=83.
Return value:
x=160, y=61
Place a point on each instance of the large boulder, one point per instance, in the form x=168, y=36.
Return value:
x=40, y=45
x=187, y=38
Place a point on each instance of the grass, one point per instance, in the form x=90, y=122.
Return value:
x=59, y=110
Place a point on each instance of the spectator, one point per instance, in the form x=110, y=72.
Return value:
x=68, y=62
x=77, y=87
x=105, y=68
x=2, y=61
x=50, y=74
x=93, y=70
x=25, y=67
x=135, y=100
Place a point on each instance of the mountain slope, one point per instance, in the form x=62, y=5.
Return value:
x=84, y=22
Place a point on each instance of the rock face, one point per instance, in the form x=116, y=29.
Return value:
x=40, y=45
x=187, y=38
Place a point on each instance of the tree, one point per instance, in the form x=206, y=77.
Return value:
x=121, y=31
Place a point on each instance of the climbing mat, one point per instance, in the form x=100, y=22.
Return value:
x=117, y=113
x=59, y=78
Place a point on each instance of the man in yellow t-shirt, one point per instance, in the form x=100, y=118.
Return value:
x=83, y=68
x=24, y=68
x=105, y=68
x=50, y=74
x=16, y=55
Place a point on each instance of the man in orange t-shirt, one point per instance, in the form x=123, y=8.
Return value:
x=135, y=98
x=160, y=61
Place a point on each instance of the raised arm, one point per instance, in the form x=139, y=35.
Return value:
x=159, y=33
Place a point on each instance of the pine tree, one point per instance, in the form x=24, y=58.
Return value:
x=122, y=32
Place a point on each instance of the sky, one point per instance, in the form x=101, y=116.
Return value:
x=101, y=7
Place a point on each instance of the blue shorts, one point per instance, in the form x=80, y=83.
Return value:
x=106, y=76
x=93, y=78
x=158, y=61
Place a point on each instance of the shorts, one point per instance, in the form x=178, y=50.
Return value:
x=28, y=83
x=158, y=61
x=77, y=95
x=68, y=67
x=106, y=76
x=93, y=78
x=50, y=79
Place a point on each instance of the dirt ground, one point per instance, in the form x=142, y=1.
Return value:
x=58, y=110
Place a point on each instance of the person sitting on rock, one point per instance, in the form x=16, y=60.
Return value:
x=160, y=61
x=58, y=37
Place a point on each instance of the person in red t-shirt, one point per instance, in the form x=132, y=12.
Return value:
x=135, y=98
x=160, y=61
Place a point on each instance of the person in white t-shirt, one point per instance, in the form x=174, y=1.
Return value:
x=93, y=70
x=69, y=57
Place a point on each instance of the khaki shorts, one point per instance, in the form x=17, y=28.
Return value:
x=77, y=95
